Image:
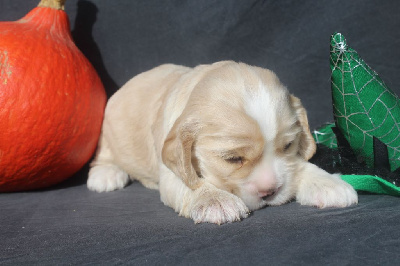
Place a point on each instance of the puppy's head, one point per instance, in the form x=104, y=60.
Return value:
x=243, y=132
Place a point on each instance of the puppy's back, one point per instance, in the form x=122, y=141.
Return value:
x=133, y=116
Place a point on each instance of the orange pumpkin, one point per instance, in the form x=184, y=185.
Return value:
x=51, y=101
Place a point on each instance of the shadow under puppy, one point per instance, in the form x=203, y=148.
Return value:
x=217, y=141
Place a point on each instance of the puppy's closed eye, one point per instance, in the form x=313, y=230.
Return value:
x=288, y=146
x=290, y=139
x=235, y=160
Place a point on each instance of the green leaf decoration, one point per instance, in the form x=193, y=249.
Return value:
x=365, y=182
x=372, y=184
x=363, y=106
x=325, y=136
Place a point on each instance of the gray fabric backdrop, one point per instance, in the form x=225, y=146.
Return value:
x=68, y=224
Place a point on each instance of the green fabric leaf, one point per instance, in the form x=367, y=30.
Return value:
x=372, y=184
x=364, y=107
x=325, y=136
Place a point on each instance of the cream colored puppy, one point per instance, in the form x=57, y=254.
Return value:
x=218, y=141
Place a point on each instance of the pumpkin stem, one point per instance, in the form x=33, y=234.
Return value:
x=56, y=4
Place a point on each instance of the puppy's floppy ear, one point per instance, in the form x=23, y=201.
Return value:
x=177, y=150
x=307, y=143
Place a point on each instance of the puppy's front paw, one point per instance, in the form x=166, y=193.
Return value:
x=326, y=191
x=104, y=178
x=216, y=206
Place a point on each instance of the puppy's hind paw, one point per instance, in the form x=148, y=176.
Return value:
x=104, y=178
x=327, y=191
x=217, y=206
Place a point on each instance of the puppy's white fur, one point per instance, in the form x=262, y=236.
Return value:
x=217, y=141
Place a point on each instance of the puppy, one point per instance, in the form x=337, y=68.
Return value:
x=218, y=141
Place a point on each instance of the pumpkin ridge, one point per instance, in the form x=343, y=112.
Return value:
x=55, y=21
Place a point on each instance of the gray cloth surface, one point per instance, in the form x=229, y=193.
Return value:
x=72, y=225
x=69, y=225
